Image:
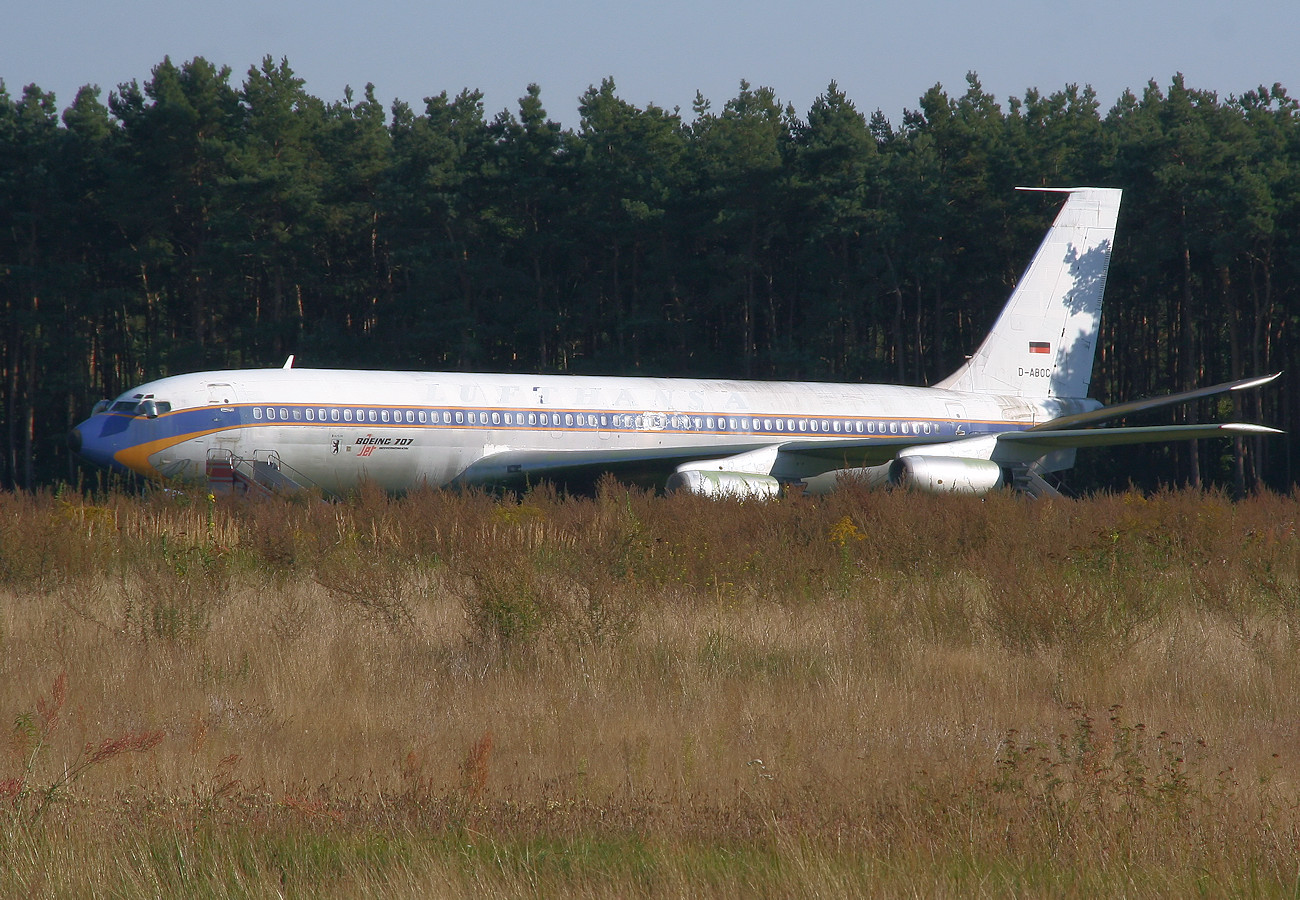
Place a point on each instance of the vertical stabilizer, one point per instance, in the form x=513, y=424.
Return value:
x=1042, y=344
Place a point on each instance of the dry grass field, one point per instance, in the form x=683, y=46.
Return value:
x=456, y=694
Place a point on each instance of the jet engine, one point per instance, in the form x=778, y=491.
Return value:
x=740, y=485
x=946, y=474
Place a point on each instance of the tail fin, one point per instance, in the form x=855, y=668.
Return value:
x=1042, y=344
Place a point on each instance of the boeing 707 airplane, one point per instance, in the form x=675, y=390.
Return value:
x=1016, y=411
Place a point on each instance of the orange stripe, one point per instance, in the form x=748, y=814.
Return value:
x=136, y=457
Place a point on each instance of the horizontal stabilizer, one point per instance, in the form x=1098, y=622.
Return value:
x=1137, y=406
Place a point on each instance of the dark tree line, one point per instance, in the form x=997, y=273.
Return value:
x=192, y=223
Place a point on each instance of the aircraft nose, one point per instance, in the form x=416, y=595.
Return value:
x=74, y=440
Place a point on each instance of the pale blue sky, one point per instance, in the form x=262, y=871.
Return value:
x=882, y=55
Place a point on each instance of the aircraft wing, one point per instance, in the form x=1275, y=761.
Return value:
x=857, y=451
x=1109, y=437
x=519, y=468
x=648, y=466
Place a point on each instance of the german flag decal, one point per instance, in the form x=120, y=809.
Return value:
x=1040, y=347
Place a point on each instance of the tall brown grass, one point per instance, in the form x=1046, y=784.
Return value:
x=870, y=693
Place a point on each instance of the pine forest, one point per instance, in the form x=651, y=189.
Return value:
x=190, y=222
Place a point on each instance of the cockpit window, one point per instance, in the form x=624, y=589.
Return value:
x=135, y=407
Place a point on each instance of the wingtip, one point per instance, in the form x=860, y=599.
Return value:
x=1248, y=429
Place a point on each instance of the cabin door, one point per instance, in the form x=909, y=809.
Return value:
x=225, y=416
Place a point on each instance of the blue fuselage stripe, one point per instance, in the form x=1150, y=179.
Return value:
x=201, y=421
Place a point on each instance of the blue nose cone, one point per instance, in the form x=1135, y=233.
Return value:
x=98, y=438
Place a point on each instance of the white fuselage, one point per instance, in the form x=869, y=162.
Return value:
x=336, y=428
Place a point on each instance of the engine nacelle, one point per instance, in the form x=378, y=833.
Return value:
x=867, y=476
x=741, y=485
x=946, y=474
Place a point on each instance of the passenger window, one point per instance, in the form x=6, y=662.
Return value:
x=532, y=418
x=257, y=413
x=297, y=415
x=496, y=418
x=311, y=415
x=372, y=416
x=383, y=414
x=460, y=417
x=334, y=415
